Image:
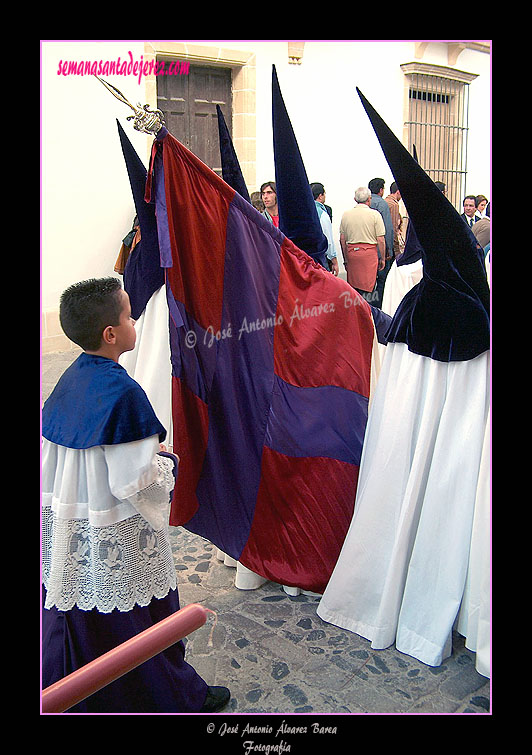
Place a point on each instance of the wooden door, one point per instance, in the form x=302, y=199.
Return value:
x=189, y=101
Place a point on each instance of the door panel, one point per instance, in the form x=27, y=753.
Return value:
x=188, y=103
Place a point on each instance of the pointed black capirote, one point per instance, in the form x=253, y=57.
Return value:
x=446, y=315
x=298, y=218
x=231, y=171
x=143, y=274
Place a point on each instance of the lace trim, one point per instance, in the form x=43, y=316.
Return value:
x=115, y=565
x=110, y=567
x=152, y=501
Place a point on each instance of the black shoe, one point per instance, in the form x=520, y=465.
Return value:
x=217, y=698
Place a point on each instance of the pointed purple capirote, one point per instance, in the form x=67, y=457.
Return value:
x=298, y=218
x=231, y=171
x=143, y=274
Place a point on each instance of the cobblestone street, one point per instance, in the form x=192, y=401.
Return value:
x=278, y=656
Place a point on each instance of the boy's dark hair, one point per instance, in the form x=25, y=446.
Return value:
x=87, y=308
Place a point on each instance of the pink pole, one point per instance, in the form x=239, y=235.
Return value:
x=93, y=676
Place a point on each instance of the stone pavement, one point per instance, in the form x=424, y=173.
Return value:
x=278, y=656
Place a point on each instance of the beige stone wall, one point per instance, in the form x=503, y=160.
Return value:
x=243, y=66
x=53, y=338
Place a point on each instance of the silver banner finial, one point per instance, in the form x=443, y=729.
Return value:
x=146, y=120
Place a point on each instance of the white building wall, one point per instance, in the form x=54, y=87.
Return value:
x=87, y=207
x=336, y=140
x=479, y=142
x=86, y=202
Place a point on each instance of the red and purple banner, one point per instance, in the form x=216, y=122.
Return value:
x=271, y=360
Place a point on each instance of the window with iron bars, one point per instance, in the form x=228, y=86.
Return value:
x=437, y=123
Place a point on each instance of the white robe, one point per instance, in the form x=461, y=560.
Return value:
x=474, y=620
x=149, y=362
x=399, y=281
x=401, y=573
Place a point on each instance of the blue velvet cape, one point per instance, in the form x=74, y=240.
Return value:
x=96, y=402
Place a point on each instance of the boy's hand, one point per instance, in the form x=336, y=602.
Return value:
x=163, y=448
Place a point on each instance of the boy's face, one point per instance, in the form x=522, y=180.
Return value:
x=125, y=332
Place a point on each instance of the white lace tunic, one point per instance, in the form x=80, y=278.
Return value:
x=105, y=525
